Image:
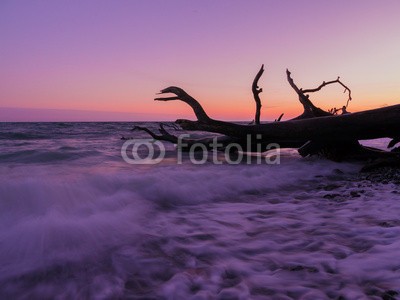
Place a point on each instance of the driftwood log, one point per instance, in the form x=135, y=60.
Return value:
x=315, y=131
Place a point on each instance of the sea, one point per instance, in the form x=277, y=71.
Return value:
x=82, y=217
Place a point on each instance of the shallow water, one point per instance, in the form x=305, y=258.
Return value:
x=77, y=222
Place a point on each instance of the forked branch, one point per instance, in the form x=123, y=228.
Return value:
x=165, y=136
x=346, y=89
x=310, y=110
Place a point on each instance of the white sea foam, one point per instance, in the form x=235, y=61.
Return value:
x=305, y=229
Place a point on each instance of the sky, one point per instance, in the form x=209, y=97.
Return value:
x=105, y=60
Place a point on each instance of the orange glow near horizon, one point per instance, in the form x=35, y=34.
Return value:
x=114, y=57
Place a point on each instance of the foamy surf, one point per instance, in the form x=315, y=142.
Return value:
x=91, y=226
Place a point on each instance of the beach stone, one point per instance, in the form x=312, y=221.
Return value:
x=385, y=175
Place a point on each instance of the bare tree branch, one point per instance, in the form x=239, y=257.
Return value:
x=346, y=89
x=256, y=91
x=185, y=97
x=310, y=110
x=280, y=117
x=165, y=136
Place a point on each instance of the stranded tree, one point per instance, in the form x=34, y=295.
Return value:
x=315, y=131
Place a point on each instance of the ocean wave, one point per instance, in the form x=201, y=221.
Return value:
x=23, y=136
x=77, y=222
x=186, y=231
x=44, y=157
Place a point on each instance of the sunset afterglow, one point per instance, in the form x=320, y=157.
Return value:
x=113, y=56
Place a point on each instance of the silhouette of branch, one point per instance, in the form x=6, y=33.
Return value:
x=172, y=125
x=280, y=117
x=185, y=97
x=165, y=136
x=331, y=82
x=310, y=110
x=256, y=91
x=291, y=82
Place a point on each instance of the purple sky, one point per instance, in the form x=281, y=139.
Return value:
x=113, y=56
